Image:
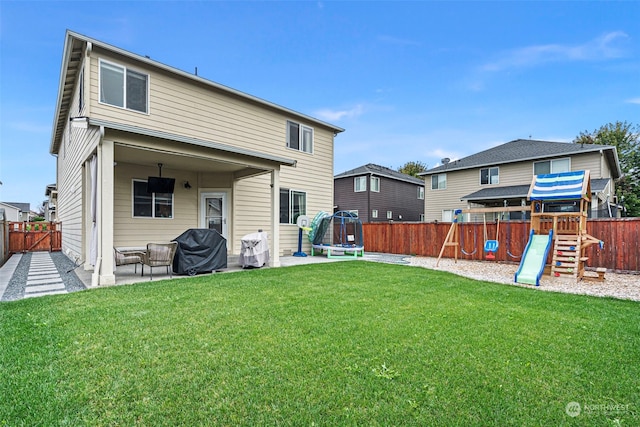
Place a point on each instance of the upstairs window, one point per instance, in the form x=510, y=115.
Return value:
x=122, y=87
x=489, y=176
x=439, y=181
x=552, y=166
x=421, y=193
x=375, y=184
x=299, y=137
x=360, y=184
x=292, y=205
x=151, y=205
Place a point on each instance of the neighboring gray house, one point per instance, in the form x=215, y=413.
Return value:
x=502, y=175
x=17, y=211
x=49, y=205
x=377, y=193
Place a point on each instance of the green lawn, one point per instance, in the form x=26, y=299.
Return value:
x=335, y=344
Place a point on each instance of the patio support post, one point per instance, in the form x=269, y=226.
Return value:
x=275, y=217
x=105, y=213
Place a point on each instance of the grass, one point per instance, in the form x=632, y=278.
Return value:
x=351, y=343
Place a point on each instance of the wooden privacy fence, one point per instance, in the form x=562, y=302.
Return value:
x=35, y=236
x=621, y=237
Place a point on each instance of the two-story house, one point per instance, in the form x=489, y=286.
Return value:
x=376, y=193
x=501, y=176
x=145, y=151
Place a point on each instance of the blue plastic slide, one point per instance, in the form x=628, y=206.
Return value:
x=534, y=258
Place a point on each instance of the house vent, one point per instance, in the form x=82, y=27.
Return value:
x=445, y=161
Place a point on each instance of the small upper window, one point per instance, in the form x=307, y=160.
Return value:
x=360, y=184
x=122, y=87
x=375, y=184
x=489, y=176
x=421, y=193
x=299, y=137
x=551, y=166
x=439, y=181
x=374, y=213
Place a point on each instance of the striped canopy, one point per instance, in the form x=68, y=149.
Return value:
x=560, y=186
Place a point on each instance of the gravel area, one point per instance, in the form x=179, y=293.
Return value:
x=18, y=281
x=622, y=286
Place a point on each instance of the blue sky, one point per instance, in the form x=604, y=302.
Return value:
x=409, y=81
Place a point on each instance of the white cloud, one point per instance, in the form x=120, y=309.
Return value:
x=336, y=115
x=603, y=47
x=633, y=101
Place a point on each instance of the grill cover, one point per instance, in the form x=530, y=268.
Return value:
x=255, y=250
x=200, y=250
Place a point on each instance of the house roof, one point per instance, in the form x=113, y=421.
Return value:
x=74, y=48
x=527, y=149
x=373, y=169
x=498, y=193
x=24, y=207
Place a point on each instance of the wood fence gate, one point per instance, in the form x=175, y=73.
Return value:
x=35, y=236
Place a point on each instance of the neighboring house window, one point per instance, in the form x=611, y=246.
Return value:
x=552, y=166
x=421, y=217
x=299, y=137
x=489, y=176
x=354, y=212
x=292, y=205
x=421, y=193
x=122, y=87
x=375, y=184
x=439, y=181
x=360, y=184
x=389, y=214
x=81, y=92
x=151, y=205
x=374, y=213
x=447, y=215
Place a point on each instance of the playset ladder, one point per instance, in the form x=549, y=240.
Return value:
x=566, y=256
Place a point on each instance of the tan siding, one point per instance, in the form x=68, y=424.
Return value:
x=182, y=107
x=76, y=147
x=137, y=232
x=462, y=183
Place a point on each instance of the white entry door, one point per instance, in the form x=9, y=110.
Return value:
x=213, y=212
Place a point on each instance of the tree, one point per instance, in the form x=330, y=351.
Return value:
x=413, y=168
x=626, y=138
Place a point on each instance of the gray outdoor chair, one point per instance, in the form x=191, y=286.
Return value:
x=124, y=257
x=159, y=255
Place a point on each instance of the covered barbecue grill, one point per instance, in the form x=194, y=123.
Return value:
x=200, y=250
x=255, y=250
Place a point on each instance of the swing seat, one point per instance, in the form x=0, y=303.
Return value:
x=491, y=247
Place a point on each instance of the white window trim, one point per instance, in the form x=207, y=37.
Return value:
x=377, y=179
x=389, y=214
x=445, y=181
x=301, y=129
x=153, y=204
x=306, y=196
x=533, y=167
x=374, y=213
x=489, y=175
x=113, y=64
x=355, y=185
x=420, y=193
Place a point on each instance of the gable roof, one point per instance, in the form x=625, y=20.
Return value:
x=75, y=46
x=24, y=207
x=521, y=150
x=373, y=169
